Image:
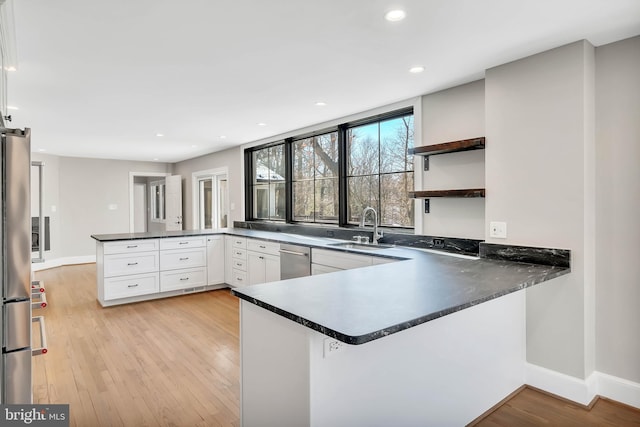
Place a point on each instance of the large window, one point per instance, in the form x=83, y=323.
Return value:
x=380, y=171
x=268, y=183
x=315, y=178
x=332, y=176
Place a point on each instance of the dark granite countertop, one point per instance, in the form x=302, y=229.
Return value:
x=364, y=304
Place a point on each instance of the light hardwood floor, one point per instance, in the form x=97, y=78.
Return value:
x=169, y=362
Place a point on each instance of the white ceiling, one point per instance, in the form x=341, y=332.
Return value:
x=102, y=78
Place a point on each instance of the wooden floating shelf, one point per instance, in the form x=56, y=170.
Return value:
x=469, y=192
x=449, y=147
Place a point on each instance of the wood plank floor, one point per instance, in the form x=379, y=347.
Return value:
x=531, y=408
x=176, y=362
x=170, y=362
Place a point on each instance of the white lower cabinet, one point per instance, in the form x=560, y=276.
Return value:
x=327, y=261
x=215, y=260
x=131, y=286
x=183, y=279
x=263, y=261
x=228, y=260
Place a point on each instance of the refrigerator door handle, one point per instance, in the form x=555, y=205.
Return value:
x=43, y=337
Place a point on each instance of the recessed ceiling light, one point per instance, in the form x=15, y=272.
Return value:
x=12, y=68
x=223, y=136
x=194, y=146
x=262, y=124
x=417, y=69
x=395, y=15
x=160, y=134
x=41, y=149
x=321, y=104
x=11, y=107
x=156, y=159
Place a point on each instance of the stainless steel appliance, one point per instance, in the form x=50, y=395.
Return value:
x=15, y=239
x=295, y=261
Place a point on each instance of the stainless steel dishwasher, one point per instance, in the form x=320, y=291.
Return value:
x=295, y=261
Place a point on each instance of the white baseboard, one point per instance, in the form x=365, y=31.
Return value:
x=618, y=389
x=58, y=262
x=583, y=391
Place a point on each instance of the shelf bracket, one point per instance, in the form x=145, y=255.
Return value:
x=426, y=205
x=425, y=163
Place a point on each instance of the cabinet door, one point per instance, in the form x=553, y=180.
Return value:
x=228, y=260
x=272, y=268
x=256, y=267
x=215, y=260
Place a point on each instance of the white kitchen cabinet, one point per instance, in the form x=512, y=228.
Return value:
x=143, y=269
x=263, y=261
x=339, y=259
x=228, y=260
x=184, y=278
x=215, y=260
x=239, y=275
x=327, y=261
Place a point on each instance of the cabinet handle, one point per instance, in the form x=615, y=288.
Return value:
x=132, y=263
x=132, y=246
x=132, y=286
x=239, y=279
x=184, y=278
x=185, y=258
x=238, y=253
x=183, y=243
x=262, y=247
x=261, y=257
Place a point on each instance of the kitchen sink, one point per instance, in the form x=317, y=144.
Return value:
x=361, y=246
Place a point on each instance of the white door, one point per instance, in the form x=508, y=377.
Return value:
x=173, y=200
x=210, y=198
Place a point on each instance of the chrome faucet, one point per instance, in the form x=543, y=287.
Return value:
x=376, y=236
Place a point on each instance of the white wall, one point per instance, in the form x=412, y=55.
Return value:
x=452, y=115
x=618, y=195
x=540, y=141
x=233, y=160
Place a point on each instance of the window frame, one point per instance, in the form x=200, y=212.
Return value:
x=343, y=160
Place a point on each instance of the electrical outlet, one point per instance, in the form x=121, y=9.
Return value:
x=438, y=243
x=498, y=229
x=332, y=346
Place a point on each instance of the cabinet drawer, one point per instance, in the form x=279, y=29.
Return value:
x=272, y=248
x=339, y=259
x=131, y=286
x=239, y=278
x=181, y=279
x=239, y=264
x=130, y=246
x=239, y=253
x=239, y=242
x=183, y=258
x=322, y=269
x=126, y=264
x=183, y=242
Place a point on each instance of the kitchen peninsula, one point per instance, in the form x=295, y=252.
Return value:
x=430, y=339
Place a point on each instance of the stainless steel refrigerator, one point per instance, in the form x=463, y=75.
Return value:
x=15, y=239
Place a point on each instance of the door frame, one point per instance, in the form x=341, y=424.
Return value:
x=195, y=191
x=132, y=176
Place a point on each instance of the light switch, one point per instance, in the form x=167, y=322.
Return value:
x=498, y=229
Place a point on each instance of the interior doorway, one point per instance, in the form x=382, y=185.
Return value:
x=211, y=198
x=140, y=186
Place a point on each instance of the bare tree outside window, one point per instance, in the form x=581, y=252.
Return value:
x=380, y=171
x=315, y=179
